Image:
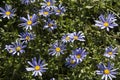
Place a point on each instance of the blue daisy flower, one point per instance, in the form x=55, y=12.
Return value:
x=106, y=22
x=79, y=54
x=50, y=25
x=110, y=52
x=71, y=61
x=57, y=48
x=48, y=4
x=16, y=48
x=38, y=67
x=26, y=37
x=9, y=48
x=28, y=23
x=7, y=12
x=77, y=36
x=45, y=12
x=59, y=10
x=52, y=79
x=27, y=2
x=106, y=71
x=66, y=38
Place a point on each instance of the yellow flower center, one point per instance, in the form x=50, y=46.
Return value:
x=106, y=24
x=58, y=11
x=106, y=71
x=67, y=38
x=48, y=3
x=78, y=56
x=72, y=61
x=37, y=67
x=30, y=17
x=76, y=37
x=110, y=53
x=29, y=22
x=27, y=38
x=50, y=25
x=8, y=13
x=10, y=50
x=18, y=48
x=58, y=49
x=46, y=13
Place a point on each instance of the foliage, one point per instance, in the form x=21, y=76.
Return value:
x=79, y=16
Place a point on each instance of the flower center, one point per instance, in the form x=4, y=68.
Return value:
x=45, y=13
x=30, y=17
x=58, y=49
x=76, y=37
x=72, y=61
x=48, y=3
x=67, y=38
x=78, y=56
x=58, y=11
x=106, y=24
x=37, y=68
x=8, y=13
x=29, y=22
x=50, y=25
x=110, y=53
x=18, y=48
x=106, y=71
x=27, y=38
x=10, y=50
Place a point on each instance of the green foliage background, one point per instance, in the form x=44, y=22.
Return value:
x=79, y=16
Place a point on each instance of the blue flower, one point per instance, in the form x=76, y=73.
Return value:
x=71, y=61
x=48, y=4
x=59, y=10
x=26, y=37
x=66, y=38
x=50, y=24
x=52, y=79
x=38, y=67
x=106, y=71
x=45, y=12
x=9, y=48
x=110, y=52
x=28, y=23
x=57, y=48
x=77, y=36
x=79, y=54
x=27, y=2
x=7, y=12
x=16, y=48
x=106, y=22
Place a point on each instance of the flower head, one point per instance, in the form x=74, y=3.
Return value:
x=57, y=49
x=9, y=48
x=50, y=24
x=16, y=48
x=38, y=67
x=106, y=22
x=27, y=2
x=45, y=12
x=26, y=37
x=110, y=52
x=59, y=10
x=71, y=61
x=48, y=4
x=28, y=23
x=52, y=79
x=7, y=12
x=77, y=36
x=79, y=54
x=106, y=71
x=66, y=38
